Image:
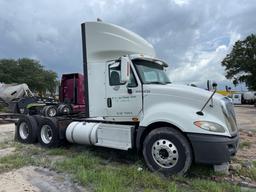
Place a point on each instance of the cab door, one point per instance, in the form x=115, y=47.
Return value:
x=123, y=99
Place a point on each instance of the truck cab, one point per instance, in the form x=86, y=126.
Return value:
x=132, y=87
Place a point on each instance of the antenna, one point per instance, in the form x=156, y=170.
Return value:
x=215, y=89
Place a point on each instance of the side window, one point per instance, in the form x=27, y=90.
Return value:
x=132, y=82
x=114, y=74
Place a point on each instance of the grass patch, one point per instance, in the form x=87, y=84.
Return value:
x=245, y=144
x=104, y=170
x=200, y=171
x=211, y=186
x=4, y=145
x=251, y=173
x=254, y=163
x=13, y=161
x=58, y=152
x=253, y=130
x=89, y=170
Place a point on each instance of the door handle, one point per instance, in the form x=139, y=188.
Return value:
x=129, y=90
x=109, y=102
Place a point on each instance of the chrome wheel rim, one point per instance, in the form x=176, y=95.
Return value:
x=23, y=130
x=22, y=110
x=52, y=112
x=66, y=110
x=165, y=153
x=46, y=134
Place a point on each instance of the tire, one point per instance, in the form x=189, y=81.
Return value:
x=49, y=134
x=64, y=109
x=39, y=120
x=26, y=129
x=167, y=151
x=49, y=111
x=24, y=111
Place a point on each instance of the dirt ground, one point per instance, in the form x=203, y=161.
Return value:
x=33, y=178
x=36, y=179
x=246, y=120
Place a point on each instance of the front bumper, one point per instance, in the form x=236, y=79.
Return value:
x=212, y=149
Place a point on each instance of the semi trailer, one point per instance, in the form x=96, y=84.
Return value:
x=130, y=103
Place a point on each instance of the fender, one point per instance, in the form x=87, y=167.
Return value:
x=178, y=115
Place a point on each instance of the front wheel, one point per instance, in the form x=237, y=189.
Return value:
x=167, y=151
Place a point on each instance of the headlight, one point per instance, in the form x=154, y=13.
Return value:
x=210, y=126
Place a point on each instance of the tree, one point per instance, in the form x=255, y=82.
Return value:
x=28, y=71
x=240, y=64
x=50, y=79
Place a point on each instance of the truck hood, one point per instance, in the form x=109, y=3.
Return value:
x=183, y=92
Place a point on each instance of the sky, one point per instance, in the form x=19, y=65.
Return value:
x=193, y=36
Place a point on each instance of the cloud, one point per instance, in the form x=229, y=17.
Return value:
x=203, y=62
x=193, y=36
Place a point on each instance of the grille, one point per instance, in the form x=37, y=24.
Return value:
x=230, y=115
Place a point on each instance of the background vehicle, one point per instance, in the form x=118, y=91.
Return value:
x=71, y=92
x=249, y=97
x=20, y=99
x=237, y=98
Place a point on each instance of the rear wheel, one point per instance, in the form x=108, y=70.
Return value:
x=167, y=151
x=26, y=129
x=64, y=109
x=39, y=119
x=49, y=133
x=49, y=111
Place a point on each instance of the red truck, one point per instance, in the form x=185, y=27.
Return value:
x=71, y=91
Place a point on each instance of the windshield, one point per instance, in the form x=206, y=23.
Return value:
x=151, y=72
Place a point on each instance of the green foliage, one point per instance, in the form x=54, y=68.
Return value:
x=28, y=71
x=245, y=144
x=211, y=186
x=88, y=169
x=251, y=173
x=88, y=166
x=14, y=161
x=240, y=64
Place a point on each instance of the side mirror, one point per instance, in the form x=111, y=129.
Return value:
x=125, y=69
x=214, y=85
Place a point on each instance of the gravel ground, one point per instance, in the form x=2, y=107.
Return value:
x=6, y=132
x=246, y=119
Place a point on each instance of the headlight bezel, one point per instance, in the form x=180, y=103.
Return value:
x=210, y=126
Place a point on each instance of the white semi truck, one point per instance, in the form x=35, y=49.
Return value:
x=131, y=104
